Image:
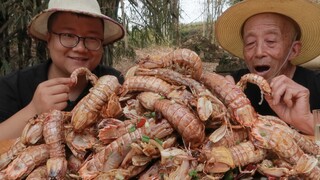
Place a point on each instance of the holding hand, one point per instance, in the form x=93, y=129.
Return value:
x=51, y=94
x=290, y=101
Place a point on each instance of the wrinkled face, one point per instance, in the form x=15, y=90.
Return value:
x=268, y=44
x=65, y=60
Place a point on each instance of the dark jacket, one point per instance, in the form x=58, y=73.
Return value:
x=17, y=88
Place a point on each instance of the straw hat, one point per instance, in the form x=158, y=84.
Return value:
x=305, y=13
x=37, y=28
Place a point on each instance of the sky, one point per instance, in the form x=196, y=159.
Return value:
x=192, y=11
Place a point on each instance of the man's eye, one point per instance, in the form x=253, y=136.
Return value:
x=248, y=44
x=270, y=42
x=68, y=35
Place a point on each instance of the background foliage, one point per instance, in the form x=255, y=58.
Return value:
x=147, y=22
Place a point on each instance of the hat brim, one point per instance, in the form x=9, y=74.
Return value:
x=228, y=26
x=37, y=28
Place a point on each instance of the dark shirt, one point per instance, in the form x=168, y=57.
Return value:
x=17, y=88
x=305, y=77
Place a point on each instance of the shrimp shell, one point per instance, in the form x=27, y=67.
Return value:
x=146, y=83
x=239, y=106
x=32, y=157
x=183, y=120
x=255, y=79
x=176, y=78
x=272, y=136
x=212, y=105
x=113, y=154
x=31, y=133
x=53, y=133
x=115, y=129
x=230, y=138
x=88, y=109
x=40, y=173
x=84, y=71
x=184, y=61
x=221, y=159
x=305, y=143
x=12, y=153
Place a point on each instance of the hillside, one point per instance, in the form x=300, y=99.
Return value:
x=125, y=63
x=213, y=57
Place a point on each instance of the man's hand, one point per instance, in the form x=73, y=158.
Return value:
x=51, y=94
x=290, y=101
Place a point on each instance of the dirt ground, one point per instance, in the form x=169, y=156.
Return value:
x=125, y=63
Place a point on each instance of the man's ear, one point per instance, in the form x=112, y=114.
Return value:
x=296, y=49
x=48, y=37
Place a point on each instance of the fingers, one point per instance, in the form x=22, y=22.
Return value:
x=51, y=94
x=285, y=90
x=57, y=89
x=60, y=106
x=288, y=97
x=57, y=81
x=58, y=102
x=278, y=90
x=290, y=101
x=60, y=97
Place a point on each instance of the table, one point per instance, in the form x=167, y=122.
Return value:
x=5, y=145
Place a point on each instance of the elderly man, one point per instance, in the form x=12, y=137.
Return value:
x=273, y=37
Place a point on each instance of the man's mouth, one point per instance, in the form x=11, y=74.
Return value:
x=262, y=69
x=78, y=58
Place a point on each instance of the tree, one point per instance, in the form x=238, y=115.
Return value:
x=109, y=8
x=16, y=45
x=154, y=21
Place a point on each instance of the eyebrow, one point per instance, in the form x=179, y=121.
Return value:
x=90, y=32
x=269, y=31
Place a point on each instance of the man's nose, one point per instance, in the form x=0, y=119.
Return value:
x=259, y=49
x=80, y=45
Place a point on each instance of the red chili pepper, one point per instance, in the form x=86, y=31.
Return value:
x=141, y=122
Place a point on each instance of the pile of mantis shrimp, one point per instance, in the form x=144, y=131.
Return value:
x=170, y=119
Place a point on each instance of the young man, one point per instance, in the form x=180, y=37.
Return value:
x=273, y=37
x=75, y=32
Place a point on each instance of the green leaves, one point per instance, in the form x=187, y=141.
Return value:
x=194, y=175
x=145, y=138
